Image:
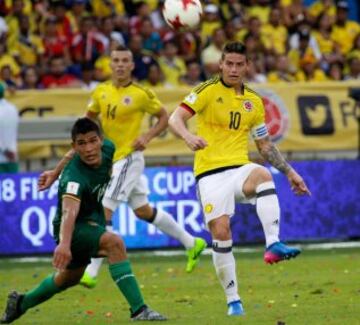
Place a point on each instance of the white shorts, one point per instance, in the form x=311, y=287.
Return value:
x=218, y=192
x=127, y=183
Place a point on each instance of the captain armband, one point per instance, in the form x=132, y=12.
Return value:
x=260, y=131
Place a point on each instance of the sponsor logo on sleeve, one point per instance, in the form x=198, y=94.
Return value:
x=191, y=98
x=72, y=188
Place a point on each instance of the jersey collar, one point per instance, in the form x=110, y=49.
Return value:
x=227, y=86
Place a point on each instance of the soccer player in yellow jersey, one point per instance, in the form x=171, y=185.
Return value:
x=227, y=111
x=121, y=105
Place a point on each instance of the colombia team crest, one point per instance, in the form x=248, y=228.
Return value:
x=276, y=114
x=127, y=100
x=248, y=105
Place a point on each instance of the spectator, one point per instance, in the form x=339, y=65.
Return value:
x=354, y=68
x=253, y=27
x=355, y=51
x=7, y=59
x=260, y=9
x=142, y=59
x=211, y=55
x=58, y=77
x=329, y=49
x=335, y=71
x=109, y=34
x=188, y=45
x=282, y=72
x=104, y=8
x=142, y=11
x=88, y=81
x=157, y=17
x=193, y=75
x=230, y=9
x=87, y=45
x=30, y=79
x=304, y=34
x=8, y=78
x=294, y=12
x=309, y=70
x=3, y=29
x=211, y=22
x=321, y=6
x=254, y=76
x=172, y=66
x=9, y=120
x=12, y=21
x=274, y=34
x=76, y=13
x=102, y=64
x=155, y=78
x=58, y=9
x=230, y=29
x=121, y=26
x=344, y=31
x=151, y=39
x=27, y=48
x=304, y=49
x=55, y=44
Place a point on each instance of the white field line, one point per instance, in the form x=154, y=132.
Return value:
x=318, y=246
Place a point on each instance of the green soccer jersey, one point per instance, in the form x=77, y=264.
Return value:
x=87, y=184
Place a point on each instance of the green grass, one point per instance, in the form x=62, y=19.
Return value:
x=319, y=287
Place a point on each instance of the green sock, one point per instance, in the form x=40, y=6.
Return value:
x=126, y=282
x=44, y=291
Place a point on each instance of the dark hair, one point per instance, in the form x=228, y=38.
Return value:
x=234, y=47
x=84, y=125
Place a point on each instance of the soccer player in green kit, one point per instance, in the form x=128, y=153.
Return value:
x=79, y=229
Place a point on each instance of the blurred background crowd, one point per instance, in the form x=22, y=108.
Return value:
x=52, y=44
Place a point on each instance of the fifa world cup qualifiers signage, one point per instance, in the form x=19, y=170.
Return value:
x=332, y=212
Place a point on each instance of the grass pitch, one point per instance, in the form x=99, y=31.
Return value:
x=319, y=287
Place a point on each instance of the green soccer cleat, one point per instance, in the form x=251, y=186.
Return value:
x=88, y=281
x=194, y=254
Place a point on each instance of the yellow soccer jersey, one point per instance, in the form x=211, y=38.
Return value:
x=121, y=112
x=224, y=120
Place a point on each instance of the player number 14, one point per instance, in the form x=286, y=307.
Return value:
x=111, y=112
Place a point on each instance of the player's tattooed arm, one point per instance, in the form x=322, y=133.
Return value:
x=272, y=154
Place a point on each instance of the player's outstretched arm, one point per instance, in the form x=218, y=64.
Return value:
x=48, y=177
x=272, y=154
x=70, y=210
x=177, y=124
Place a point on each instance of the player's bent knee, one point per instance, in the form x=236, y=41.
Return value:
x=110, y=242
x=145, y=212
x=263, y=174
x=220, y=228
x=257, y=176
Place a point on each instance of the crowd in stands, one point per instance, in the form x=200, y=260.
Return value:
x=52, y=44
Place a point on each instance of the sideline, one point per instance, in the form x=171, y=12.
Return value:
x=178, y=252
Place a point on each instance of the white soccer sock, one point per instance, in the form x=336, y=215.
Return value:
x=268, y=210
x=93, y=268
x=225, y=267
x=167, y=224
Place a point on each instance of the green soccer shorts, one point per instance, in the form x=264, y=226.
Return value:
x=84, y=244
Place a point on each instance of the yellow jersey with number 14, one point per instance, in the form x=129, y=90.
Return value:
x=121, y=111
x=225, y=120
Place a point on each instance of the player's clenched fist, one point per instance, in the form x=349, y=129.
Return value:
x=195, y=142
